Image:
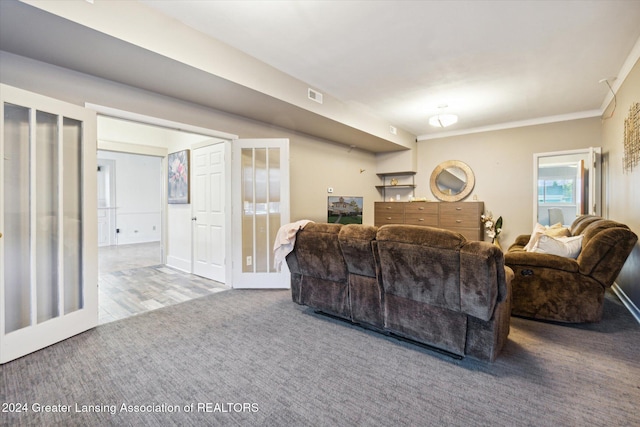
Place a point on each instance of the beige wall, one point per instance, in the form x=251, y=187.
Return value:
x=622, y=188
x=315, y=164
x=502, y=162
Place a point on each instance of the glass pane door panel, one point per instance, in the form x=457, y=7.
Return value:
x=261, y=207
x=72, y=214
x=248, y=209
x=17, y=273
x=274, y=198
x=261, y=200
x=46, y=215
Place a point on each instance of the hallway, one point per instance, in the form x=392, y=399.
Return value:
x=132, y=280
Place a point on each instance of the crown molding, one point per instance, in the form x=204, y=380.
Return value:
x=510, y=125
x=628, y=65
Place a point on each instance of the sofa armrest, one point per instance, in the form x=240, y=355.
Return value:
x=522, y=240
x=483, y=279
x=534, y=259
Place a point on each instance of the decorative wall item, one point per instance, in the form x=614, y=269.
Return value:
x=179, y=177
x=631, y=156
x=344, y=210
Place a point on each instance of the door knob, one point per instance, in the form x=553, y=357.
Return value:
x=194, y=219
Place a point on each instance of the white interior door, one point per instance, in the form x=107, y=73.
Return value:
x=48, y=221
x=260, y=177
x=209, y=217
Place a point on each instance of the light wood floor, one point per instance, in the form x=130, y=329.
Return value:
x=132, y=280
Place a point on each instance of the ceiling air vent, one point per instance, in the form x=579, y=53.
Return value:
x=315, y=96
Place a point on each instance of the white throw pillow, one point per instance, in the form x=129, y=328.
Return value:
x=538, y=231
x=568, y=247
x=556, y=230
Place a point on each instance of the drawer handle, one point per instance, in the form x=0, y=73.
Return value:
x=421, y=208
x=388, y=207
x=458, y=209
x=388, y=217
x=458, y=221
x=421, y=219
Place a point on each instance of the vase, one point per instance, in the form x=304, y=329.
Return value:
x=496, y=242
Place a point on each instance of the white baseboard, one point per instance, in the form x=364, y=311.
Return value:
x=626, y=301
x=179, y=263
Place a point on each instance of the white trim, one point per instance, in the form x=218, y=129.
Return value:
x=206, y=143
x=130, y=148
x=631, y=60
x=179, y=263
x=633, y=309
x=141, y=118
x=510, y=125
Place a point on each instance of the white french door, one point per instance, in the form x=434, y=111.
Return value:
x=48, y=221
x=209, y=212
x=260, y=191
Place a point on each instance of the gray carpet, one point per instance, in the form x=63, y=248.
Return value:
x=259, y=359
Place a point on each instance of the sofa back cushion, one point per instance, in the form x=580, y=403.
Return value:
x=605, y=247
x=318, y=252
x=356, y=244
x=421, y=264
x=580, y=223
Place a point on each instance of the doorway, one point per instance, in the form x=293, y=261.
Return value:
x=133, y=273
x=567, y=185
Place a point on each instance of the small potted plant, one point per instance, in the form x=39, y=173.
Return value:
x=493, y=228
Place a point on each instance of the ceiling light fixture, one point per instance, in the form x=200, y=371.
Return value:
x=442, y=120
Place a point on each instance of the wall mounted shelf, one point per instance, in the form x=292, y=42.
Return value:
x=390, y=181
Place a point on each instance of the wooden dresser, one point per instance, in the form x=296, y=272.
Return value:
x=462, y=217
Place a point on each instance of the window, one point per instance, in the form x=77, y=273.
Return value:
x=556, y=191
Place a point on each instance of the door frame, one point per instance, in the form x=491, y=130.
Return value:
x=594, y=155
x=112, y=239
x=153, y=151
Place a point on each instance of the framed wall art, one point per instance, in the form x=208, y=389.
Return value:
x=631, y=143
x=344, y=210
x=178, y=185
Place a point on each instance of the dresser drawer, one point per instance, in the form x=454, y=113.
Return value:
x=388, y=213
x=421, y=219
x=424, y=208
x=389, y=207
x=460, y=215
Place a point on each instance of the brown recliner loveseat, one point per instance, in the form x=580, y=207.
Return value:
x=558, y=288
x=423, y=284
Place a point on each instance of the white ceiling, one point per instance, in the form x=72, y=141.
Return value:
x=492, y=62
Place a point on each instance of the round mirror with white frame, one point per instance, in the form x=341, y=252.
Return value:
x=452, y=181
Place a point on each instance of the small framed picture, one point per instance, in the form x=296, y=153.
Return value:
x=178, y=185
x=344, y=210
